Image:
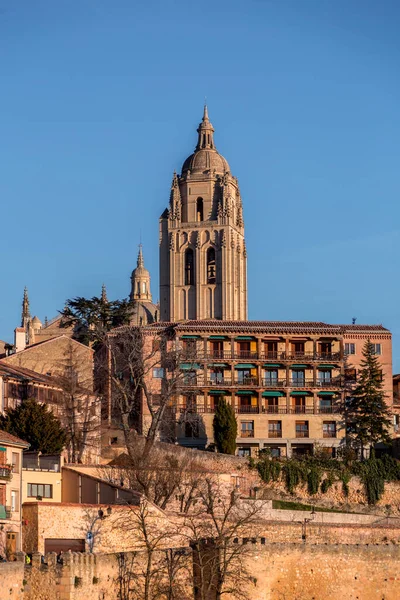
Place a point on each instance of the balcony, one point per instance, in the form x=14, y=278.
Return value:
x=301, y=410
x=276, y=410
x=246, y=409
x=301, y=383
x=329, y=410
x=219, y=382
x=273, y=383
x=240, y=354
x=223, y=355
x=246, y=381
x=274, y=434
x=247, y=433
x=6, y=472
x=329, y=434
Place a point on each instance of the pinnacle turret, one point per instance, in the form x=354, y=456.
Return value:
x=26, y=315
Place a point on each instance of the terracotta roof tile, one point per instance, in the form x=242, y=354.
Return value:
x=6, y=437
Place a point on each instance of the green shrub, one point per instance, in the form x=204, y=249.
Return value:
x=313, y=479
x=269, y=470
x=294, y=474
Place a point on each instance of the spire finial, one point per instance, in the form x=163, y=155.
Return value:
x=104, y=293
x=140, y=260
x=26, y=315
x=205, y=112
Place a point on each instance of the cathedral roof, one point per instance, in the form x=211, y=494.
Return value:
x=205, y=156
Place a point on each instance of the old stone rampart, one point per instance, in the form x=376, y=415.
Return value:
x=290, y=562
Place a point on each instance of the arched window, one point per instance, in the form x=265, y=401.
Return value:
x=144, y=287
x=211, y=270
x=199, y=209
x=189, y=267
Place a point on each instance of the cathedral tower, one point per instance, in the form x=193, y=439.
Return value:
x=203, y=272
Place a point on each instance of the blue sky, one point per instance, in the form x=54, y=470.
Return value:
x=100, y=102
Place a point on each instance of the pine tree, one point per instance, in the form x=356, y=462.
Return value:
x=225, y=428
x=367, y=413
x=35, y=423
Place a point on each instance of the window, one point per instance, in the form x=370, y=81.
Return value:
x=190, y=378
x=298, y=348
x=298, y=378
x=329, y=429
x=14, y=501
x=244, y=452
x=199, y=209
x=211, y=271
x=301, y=429
x=113, y=441
x=247, y=429
x=158, y=373
x=349, y=348
x=189, y=267
x=271, y=377
x=275, y=452
x=243, y=375
x=217, y=376
x=325, y=348
x=217, y=349
x=44, y=490
x=377, y=349
x=15, y=462
x=324, y=376
x=325, y=406
x=271, y=349
x=275, y=429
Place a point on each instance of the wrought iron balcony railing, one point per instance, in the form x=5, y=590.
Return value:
x=275, y=434
x=247, y=433
x=302, y=434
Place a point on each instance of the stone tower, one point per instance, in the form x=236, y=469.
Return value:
x=140, y=280
x=26, y=314
x=203, y=272
x=143, y=310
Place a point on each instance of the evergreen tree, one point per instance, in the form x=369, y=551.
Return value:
x=93, y=317
x=367, y=413
x=35, y=423
x=225, y=428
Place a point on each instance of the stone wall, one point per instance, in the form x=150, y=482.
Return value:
x=11, y=581
x=334, y=497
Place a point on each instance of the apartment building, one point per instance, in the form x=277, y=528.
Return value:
x=11, y=449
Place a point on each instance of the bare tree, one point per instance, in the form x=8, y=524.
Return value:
x=79, y=408
x=144, y=377
x=215, y=527
x=92, y=524
x=157, y=563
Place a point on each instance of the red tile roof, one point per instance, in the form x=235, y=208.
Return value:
x=6, y=437
x=25, y=374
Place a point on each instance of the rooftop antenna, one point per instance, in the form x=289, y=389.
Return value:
x=353, y=321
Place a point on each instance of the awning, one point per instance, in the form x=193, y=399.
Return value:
x=219, y=392
x=3, y=514
x=298, y=366
x=244, y=337
x=326, y=393
x=246, y=393
x=190, y=337
x=217, y=337
x=189, y=366
x=272, y=394
x=2, y=449
x=326, y=366
x=300, y=393
x=222, y=365
x=272, y=365
x=245, y=366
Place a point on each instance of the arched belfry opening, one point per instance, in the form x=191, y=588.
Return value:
x=211, y=267
x=189, y=267
x=199, y=210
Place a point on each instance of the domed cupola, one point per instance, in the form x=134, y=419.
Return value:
x=205, y=157
x=140, y=279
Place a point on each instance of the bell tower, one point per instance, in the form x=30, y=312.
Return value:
x=203, y=266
